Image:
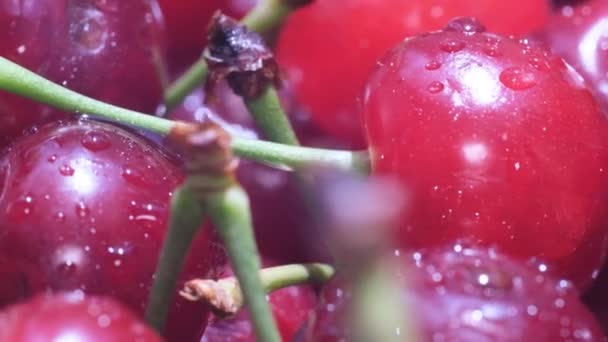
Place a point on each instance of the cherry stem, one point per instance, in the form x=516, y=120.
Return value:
x=225, y=296
x=185, y=222
x=264, y=17
x=21, y=81
x=230, y=213
x=271, y=119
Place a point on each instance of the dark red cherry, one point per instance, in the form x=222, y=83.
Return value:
x=187, y=22
x=329, y=48
x=72, y=317
x=84, y=205
x=290, y=306
x=498, y=141
x=283, y=224
x=578, y=34
x=112, y=50
x=469, y=294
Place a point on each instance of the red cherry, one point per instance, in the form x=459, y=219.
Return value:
x=290, y=306
x=72, y=317
x=112, y=50
x=329, y=48
x=578, y=34
x=187, y=22
x=85, y=206
x=470, y=294
x=498, y=141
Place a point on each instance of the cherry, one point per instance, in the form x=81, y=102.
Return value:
x=470, y=294
x=578, y=34
x=290, y=306
x=72, y=317
x=187, y=22
x=112, y=50
x=329, y=48
x=85, y=206
x=498, y=141
x=281, y=219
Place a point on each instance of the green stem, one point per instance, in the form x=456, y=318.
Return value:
x=19, y=80
x=265, y=16
x=278, y=277
x=230, y=213
x=185, y=222
x=271, y=119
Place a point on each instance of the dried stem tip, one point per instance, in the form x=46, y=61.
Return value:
x=222, y=296
x=240, y=56
x=209, y=161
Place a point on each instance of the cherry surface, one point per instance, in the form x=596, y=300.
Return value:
x=329, y=48
x=578, y=34
x=290, y=307
x=73, y=317
x=470, y=294
x=112, y=50
x=85, y=206
x=187, y=22
x=498, y=141
x=283, y=225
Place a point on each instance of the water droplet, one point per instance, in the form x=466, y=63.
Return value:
x=96, y=141
x=135, y=175
x=518, y=78
x=465, y=25
x=452, y=45
x=432, y=65
x=435, y=87
x=89, y=30
x=82, y=210
x=59, y=217
x=52, y=158
x=66, y=170
x=20, y=209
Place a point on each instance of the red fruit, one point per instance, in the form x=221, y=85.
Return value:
x=72, y=317
x=112, y=50
x=499, y=142
x=578, y=34
x=85, y=206
x=470, y=294
x=290, y=306
x=187, y=22
x=329, y=48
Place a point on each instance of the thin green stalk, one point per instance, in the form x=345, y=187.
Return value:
x=271, y=119
x=230, y=213
x=21, y=81
x=185, y=222
x=184, y=85
x=278, y=277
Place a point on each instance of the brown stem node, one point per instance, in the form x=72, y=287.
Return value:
x=222, y=296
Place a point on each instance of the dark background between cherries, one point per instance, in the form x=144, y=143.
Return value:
x=84, y=205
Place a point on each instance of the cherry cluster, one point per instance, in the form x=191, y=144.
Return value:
x=488, y=116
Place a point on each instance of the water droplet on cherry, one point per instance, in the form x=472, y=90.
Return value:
x=518, y=78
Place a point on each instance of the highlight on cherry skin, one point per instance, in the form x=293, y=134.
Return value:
x=73, y=316
x=492, y=135
x=85, y=207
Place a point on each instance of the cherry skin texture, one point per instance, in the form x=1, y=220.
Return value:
x=329, y=48
x=85, y=206
x=290, y=306
x=187, y=22
x=72, y=317
x=470, y=294
x=498, y=141
x=111, y=50
x=578, y=34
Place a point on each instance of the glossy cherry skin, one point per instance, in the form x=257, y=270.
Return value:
x=578, y=34
x=498, y=141
x=111, y=50
x=469, y=294
x=85, y=206
x=187, y=22
x=290, y=306
x=73, y=317
x=329, y=48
